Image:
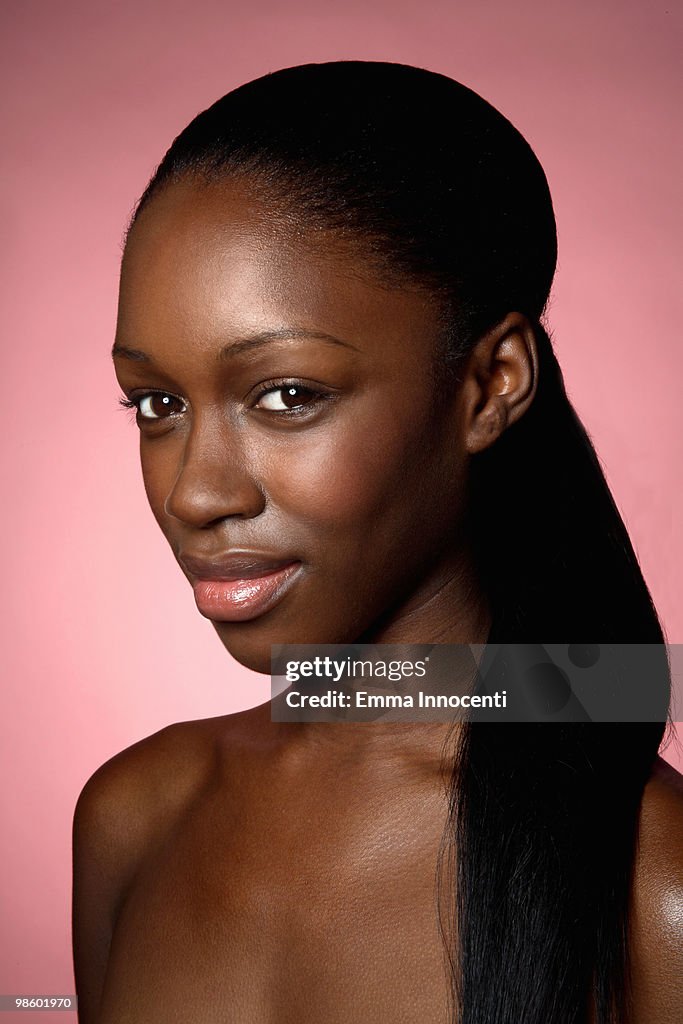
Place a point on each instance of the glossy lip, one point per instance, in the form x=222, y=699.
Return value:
x=238, y=586
x=233, y=565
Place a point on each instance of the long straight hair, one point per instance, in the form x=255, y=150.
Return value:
x=437, y=190
x=543, y=816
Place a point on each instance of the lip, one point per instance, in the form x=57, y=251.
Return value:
x=239, y=585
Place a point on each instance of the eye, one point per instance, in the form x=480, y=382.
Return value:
x=155, y=405
x=287, y=398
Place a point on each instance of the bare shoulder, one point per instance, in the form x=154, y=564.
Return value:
x=126, y=806
x=137, y=790
x=136, y=795
x=660, y=860
x=663, y=801
x=657, y=921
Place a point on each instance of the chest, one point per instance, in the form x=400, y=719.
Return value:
x=284, y=908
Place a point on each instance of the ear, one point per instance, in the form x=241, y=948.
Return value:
x=499, y=381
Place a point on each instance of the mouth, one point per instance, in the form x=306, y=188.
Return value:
x=240, y=586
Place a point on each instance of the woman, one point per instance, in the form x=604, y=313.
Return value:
x=354, y=428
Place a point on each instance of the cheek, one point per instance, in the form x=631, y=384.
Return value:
x=159, y=470
x=362, y=482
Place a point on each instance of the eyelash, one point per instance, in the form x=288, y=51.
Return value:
x=272, y=387
x=279, y=385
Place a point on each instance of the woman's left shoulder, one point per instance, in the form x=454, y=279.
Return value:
x=657, y=912
x=661, y=823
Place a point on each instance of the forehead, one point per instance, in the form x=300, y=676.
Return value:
x=214, y=260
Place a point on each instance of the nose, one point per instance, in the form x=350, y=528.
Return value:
x=214, y=481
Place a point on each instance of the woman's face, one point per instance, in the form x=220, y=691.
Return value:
x=289, y=417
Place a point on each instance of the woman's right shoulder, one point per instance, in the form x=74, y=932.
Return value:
x=129, y=804
x=139, y=789
x=135, y=794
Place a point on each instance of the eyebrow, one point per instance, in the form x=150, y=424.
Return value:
x=251, y=341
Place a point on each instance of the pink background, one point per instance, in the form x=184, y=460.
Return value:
x=101, y=643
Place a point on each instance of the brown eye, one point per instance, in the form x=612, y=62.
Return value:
x=290, y=396
x=157, y=405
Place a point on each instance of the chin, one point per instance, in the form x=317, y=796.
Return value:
x=250, y=642
x=252, y=653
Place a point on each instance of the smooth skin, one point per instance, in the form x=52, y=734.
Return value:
x=244, y=870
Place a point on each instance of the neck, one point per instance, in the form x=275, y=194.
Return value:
x=449, y=607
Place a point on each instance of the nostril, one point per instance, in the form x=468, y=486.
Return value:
x=201, y=503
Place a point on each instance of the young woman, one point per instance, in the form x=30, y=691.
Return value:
x=353, y=428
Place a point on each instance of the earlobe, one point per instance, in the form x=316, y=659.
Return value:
x=500, y=380
x=486, y=428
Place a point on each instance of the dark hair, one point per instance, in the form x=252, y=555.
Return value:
x=438, y=190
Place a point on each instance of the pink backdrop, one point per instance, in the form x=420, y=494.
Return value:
x=101, y=643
